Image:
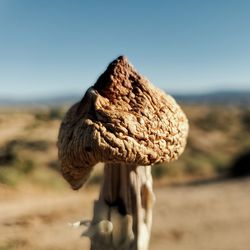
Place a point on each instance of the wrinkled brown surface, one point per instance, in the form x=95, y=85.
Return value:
x=122, y=118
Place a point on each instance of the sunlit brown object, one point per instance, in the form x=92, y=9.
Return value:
x=129, y=125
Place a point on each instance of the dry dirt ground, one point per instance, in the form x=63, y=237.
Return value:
x=207, y=216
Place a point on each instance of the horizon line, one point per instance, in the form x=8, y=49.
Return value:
x=76, y=93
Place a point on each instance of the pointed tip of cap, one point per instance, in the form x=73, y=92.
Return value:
x=116, y=68
x=122, y=58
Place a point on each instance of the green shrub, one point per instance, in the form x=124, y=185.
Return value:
x=55, y=165
x=95, y=178
x=216, y=120
x=55, y=113
x=25, y=166
x=245, y=118
x=9, y=152
x=14, y=174
x=13, y=167
x=194, y=164
x=158, y=171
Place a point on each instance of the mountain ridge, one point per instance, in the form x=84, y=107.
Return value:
x=230, y=97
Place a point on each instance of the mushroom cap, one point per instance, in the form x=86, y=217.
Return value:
x=121, y=119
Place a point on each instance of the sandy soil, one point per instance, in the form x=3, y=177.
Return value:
x=207, y=216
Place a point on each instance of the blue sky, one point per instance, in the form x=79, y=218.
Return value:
x=52, y=47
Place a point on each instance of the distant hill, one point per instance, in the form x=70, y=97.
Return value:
x=46, y=101
x=217, y=98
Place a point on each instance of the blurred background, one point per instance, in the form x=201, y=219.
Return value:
x=52, y=51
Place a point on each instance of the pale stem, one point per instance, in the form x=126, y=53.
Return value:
x=123, y=214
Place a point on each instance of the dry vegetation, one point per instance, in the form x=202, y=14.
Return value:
x=36, y=203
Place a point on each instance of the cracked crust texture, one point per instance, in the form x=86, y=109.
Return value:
x=122, y=118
